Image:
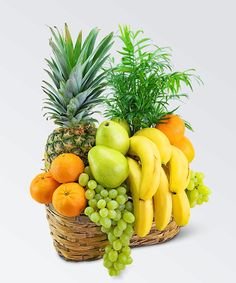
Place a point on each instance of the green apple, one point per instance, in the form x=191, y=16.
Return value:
x=113, y=135
x=123, y=123
x=108, y=166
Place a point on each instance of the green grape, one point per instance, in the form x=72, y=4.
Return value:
x=101, y=203
x=199, y=201
x=111, y=237
x=88, y=210
x=122, y=224
x=128, y=217
x=192, y=203
x=129, y=206
x=88, y=171
x=129, y=230
x=105, y=256
x=113, y=255
x=113, y=193
x=112, y=204
x=107, y=250
x=199, y=175
x=105, y=230
x=103, y=212
x=92, y=184
x=106, y=222
x=107, y=199
x=125, y=185
x=129, y=260
x=192, y=174
x=117, y=232
x=191, y=185
x=113, y=272
x=83, y=179
x=121, y=199
x=99, y=188
x=125, y=239
x=121, y=207
x=95, y=217
x=122, y=258
x=121, y=191
x=89, y=194
x=118, y=265
x=107, y=263
x=104, y=193
x=193, y=195
x=205, y=198
x=118, y=215
x=117, y=245
x=92, y=203
x=126, y=250
x=112, y=214
x=98, y=197
x=202, y=189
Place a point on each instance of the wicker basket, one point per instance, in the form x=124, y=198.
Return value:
x=78, y=239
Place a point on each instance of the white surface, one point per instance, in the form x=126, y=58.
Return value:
x=202, y=35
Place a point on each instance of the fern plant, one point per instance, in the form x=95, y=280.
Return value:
x=143, y=83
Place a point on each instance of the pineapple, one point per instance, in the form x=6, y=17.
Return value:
x=78, y=83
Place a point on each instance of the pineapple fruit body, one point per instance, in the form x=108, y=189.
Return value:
x=78, y=140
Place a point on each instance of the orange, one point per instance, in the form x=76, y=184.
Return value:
x=42, y=187
x=187, y=147
x=67, y=167
x=69, y=199
x=173, y=127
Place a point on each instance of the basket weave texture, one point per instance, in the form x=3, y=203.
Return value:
x=79, y=239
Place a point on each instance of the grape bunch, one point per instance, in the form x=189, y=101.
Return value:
x=113, y=211
x=197, y=191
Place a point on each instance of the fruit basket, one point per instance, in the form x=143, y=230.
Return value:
x=126, y=181
x=79, y=239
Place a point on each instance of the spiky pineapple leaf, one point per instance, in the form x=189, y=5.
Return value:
x=77, y=74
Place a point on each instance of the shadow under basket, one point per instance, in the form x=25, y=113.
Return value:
x=79, y=239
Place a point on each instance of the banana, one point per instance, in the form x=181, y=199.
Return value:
x=143, y=209
x=178, y=170
x=144, y=217
x=160, y=140
x=134, y=178
x=181, y=208
x=151, y=163
x=162, y=203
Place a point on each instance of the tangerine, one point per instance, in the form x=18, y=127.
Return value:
x=67, y=167
x=42, y=187
x=69, y=199
x=187, y=147
x=173, y=127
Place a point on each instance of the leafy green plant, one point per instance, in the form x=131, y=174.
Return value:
x=143, y=83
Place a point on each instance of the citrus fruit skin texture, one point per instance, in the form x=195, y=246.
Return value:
x=187, y=147
x=42, y=188
x=173, y=127
x=67, y=167
x=69, y=199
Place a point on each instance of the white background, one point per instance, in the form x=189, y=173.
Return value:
x=202, y=35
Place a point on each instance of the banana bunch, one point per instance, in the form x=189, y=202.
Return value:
x=149, y=156
x=157, y=191
x=179, y=176
x=170, y=198
x=143, y=209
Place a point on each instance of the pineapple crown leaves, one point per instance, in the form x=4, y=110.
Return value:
x=143, y=83
x=77, y=76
